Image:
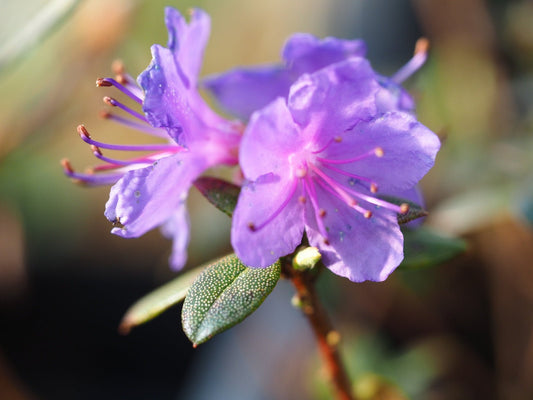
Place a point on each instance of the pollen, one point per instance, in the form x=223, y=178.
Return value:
x=251, y=226
x=404, y=208
x=379, y=152
x=367, y=214
x=373, y=187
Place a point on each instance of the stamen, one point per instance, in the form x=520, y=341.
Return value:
x=352, y=203
x=376, y=152
x=336, y=139
x=84, y=134
x=401, y=209
x=373, y=185
x=114, y=103
x=254, y=228
x=114, y=163
x=302, y=199
x=414, y=64
x=143, y=127
x=101, y=82
x=88, y=179
x=310, y=189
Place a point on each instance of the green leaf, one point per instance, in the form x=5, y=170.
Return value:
x=223, y=195
x=223, y=295
x=415, y=211
x=426, y=248
x=162, y=298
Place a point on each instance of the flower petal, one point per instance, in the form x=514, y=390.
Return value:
x=334, y=99
x=258, y=202
x=358, y=248
x=269, y=139
x=409, y=150
x=188, y=41
x=177, y=228
x=242, y=91
x=145, y=198
x=305, y=53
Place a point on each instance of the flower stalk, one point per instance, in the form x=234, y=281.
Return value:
x=328, y=338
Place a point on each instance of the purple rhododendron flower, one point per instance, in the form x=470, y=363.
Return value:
x=151, y=190
x=243, y=90
x=315, y=163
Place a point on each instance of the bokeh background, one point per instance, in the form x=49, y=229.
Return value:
x=461, y=330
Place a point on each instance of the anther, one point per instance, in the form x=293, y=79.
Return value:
x=301, y=172
x=326, y=242
x=302, y=200
x=96, y=151
x=367, y=214
x=379, y=152
x=121, y=79
x=101, y=82
x=421, y=46
x=404, y=208
x=118, y=67
x=321, y=213
x=251, y=226
x=105, y=114
x=373, y=188
x=110, y=101
x=83, y=132
x=337, y=139
x=65, y=163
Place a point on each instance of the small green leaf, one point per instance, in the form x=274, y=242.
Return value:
x=223, y=295
x=415, y=211
x=162, y=298
x=223, y=195
x=426, y=248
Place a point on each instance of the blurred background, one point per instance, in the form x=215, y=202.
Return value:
x=460, y=330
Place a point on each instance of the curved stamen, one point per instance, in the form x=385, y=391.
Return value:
x=84, y=134
x=401, y=209
x=89, y=179
x=254, y=228
x=115, y=163
x=319, y=213
x=114, y=103
x=352, y=203
x=336, y=139
x=111, y=82
x=377, y=152
x=373, y=185
x=143, y=127
x=414, y=64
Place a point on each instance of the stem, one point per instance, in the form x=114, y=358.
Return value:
x=328, y=338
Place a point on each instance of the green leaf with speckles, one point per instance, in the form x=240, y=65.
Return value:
x=415, y=211
x=162, y=298
x=426, y=248
x=223, y=195
x=223, y=295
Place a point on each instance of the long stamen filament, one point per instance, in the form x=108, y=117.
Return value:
x=114, y=103
x=376, y=152
x=111, y=82
x=319, y=213
x=143, y=127
x=254, y=227
x=414, y=64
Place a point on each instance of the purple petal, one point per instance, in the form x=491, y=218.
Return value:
x=359, y=249
x=259, y=202
x=269, y=139
x=409, y=151
x=334, y=99
x=187, y=41
x=242, y=91
x=305, y=53
x=147, y=197
x=177, y=228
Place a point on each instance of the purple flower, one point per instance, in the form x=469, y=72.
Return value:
x=315, y=163
x=244, y=90
x=151, y=190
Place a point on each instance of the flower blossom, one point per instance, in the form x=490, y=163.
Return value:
x=151, y=190
x=317, y=162
x=241, y=91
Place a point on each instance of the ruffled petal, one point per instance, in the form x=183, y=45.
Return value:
x=409, y=150
x=358, y=248
x=270, y=197
x=269, y=139
x=188, y=41
x=177, y=228
x=242, y=91
x=305, y=53
x=145, y=198
x=334, y=99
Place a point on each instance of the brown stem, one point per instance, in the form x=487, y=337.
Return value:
x=327, y=337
